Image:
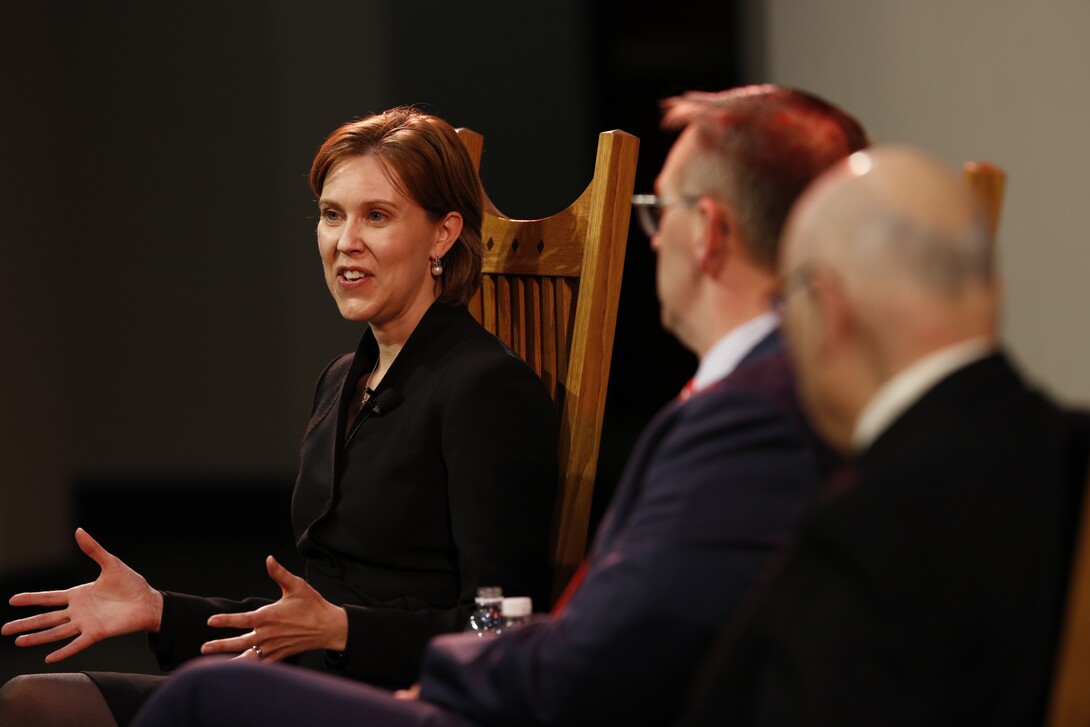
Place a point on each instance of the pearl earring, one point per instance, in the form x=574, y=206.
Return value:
x=436, y=266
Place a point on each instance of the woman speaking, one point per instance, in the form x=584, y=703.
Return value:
x=428, y=467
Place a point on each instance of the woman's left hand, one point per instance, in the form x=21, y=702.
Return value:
x=300, y=621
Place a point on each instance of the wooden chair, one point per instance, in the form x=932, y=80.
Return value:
x=550, y=291
x=988, y=181
x=1069, y=703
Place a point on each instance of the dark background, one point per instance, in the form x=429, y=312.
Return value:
x=163, y=312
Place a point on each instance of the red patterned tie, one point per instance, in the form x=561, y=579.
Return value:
x=581, y=572
x=571, y=588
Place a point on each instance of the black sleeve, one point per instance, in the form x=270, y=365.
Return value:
x=184, y=626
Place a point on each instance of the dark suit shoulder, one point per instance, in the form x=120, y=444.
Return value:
x=770, y=377
x=933, y=583
x=762, y=390
x=980, y=436
x=466, y=356
x=749, y=460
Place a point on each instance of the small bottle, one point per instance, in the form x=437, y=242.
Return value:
x=487, y=616
x=516, y=612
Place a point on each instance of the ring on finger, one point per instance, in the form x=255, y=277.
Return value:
x=257, y=650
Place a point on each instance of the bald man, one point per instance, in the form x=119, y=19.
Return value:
x=928, y=590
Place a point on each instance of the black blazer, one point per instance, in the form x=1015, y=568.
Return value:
x=446, y=486
x=929, y=593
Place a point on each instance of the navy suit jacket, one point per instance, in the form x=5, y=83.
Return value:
x=929, y=593
x=713, y=486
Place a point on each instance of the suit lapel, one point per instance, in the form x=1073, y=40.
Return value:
x=631, y=484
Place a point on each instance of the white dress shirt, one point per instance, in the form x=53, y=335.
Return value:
x=724, y=356
x=907, y=387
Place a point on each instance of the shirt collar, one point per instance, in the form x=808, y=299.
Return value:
x=895, y=396
x=725, y=355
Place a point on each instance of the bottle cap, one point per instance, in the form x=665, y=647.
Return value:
x=489, y=593
x=517, y=607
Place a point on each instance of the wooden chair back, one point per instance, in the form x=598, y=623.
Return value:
x=1069, y=703
x=550, y=291
x=987, y=180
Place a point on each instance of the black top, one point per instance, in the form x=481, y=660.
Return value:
x=447, y=484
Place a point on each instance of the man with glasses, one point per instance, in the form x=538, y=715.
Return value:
x=713, y=486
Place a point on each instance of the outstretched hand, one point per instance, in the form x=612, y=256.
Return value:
x=119, y=601
x=302, y=620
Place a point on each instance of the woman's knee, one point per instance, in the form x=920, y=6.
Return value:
x=53, y=699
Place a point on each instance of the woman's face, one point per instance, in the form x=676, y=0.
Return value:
x=376, y=246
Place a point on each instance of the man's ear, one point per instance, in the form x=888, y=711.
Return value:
x=718, y=241
x=449, y=230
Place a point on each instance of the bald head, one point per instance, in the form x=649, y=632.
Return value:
x=895, y=255
x=896, y=214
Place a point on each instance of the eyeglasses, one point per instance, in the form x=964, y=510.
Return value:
x=650, y=207
x=796, y=280
x=799, y=279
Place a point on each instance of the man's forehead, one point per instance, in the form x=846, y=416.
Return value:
x=679, y=155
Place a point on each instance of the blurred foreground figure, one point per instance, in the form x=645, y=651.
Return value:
x=928, y=589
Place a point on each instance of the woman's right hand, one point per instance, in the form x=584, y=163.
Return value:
x=118, y=602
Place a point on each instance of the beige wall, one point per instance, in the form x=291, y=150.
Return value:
x=1002, y=80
